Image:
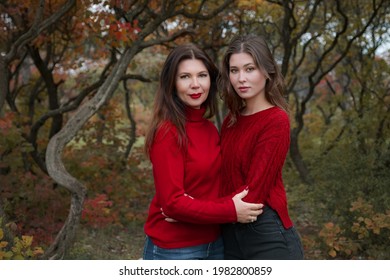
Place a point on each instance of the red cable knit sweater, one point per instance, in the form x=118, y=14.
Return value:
x=187, y=183
x=253, y=153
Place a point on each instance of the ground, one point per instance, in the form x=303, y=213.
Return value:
x=108, y=244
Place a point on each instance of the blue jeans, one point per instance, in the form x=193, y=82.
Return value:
x=264, y=239
x=209, y=251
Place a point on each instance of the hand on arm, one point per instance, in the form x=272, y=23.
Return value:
x=246, y=212
x=171, y=220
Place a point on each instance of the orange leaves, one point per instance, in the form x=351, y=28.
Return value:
x=117, y=33
x=6, y=123
x=336, y=242
x=360, y=205
x=123, y=33
x=367, y=225
x=331, y=233
x=368, y=221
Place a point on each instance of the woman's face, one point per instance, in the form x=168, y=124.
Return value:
x=192, y=82
x=246, y=78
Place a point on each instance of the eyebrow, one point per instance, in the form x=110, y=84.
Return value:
x=188, y=73
x=245, y=65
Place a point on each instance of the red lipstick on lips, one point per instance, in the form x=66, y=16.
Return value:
x=243, y=89
x=195, y=95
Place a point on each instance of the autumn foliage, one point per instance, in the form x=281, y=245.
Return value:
x=58, y=55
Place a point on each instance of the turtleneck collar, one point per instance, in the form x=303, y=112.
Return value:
x=195, y=115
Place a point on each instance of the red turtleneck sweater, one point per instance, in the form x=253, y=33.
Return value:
x=187, y=183
x=253, y=151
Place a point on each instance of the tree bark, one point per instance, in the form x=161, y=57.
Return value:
x=3, y=83
x=133, y=124
x=54, y=151
x=297, y=159
x=37, y=28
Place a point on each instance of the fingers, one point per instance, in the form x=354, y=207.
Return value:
x=249, y=219
x=261, y=205
x=242, y=194
x=162, y=212
x=170, y=220
x=254, y=206
x=252, y=217
x=188, y=196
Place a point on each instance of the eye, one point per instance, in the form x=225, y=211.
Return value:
x=203, y=75
x=184, y=76
x=233, y=70
x=250, y=69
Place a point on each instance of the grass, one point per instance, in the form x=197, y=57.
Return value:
x=110, y=243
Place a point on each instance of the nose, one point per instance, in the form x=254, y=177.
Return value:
x=241, y=77
x=194, y=83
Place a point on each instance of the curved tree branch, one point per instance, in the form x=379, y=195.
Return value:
x=37, y=27
x=55, y=166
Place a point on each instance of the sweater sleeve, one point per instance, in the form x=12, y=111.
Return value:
x=169, y=171
x=268, y=157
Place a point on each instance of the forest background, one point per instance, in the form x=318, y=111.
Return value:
x=77, y=82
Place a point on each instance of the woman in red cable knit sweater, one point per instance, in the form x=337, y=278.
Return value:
x=184, y=149
x=255, y=139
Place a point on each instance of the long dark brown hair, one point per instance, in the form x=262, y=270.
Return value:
x=167, y=105
x=257, y=47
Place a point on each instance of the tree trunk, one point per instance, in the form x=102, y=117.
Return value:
x=8, y=235
x=55, y=166
x=3, y=83
x=133, y=124
x=297, y=158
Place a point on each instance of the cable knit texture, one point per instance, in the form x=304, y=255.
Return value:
x=187, y=183
x=253, y=153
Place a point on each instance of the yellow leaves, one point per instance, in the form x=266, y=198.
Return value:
x=338, y=244
x=365, y=224
x=27, y=240
x=38, y=251
x=368, y=221
x=361, y=205
x=249, y=3
x=332, y=253
x=330, y=233
x=5, y=255
x=21, y=247
x=3, y=244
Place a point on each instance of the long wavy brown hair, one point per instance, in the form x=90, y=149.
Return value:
x=257, y=47
x=167, y=105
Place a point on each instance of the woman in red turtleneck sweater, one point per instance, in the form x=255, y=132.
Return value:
x=183, y=147
x=255, y=138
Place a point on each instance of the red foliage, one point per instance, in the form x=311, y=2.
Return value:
x=96, y=212
x=38, y=209
x=6, y=123
x=124, y=31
